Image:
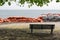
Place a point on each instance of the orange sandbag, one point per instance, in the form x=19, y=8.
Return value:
x=1, y=20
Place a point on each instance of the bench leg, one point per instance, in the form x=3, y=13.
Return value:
x=31, y=30
x=51, y=31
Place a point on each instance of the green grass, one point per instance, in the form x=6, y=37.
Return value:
x=24, y=34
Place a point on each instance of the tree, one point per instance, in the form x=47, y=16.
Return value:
x=57, y=0
x=29, y=2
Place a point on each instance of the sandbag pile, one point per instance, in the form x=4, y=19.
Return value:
x=40, y=19
x=22, y=19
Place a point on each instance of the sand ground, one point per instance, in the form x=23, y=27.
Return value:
x=26, y=25
x=16, y=31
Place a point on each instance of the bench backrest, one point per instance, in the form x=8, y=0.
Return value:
x=42, y=26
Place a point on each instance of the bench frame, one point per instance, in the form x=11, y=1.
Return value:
x=42, y=26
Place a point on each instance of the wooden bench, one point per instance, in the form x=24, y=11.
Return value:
x=42, y=26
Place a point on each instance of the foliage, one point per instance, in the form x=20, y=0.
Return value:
x=35, y=2
x=29, y=2
x=57, y=0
